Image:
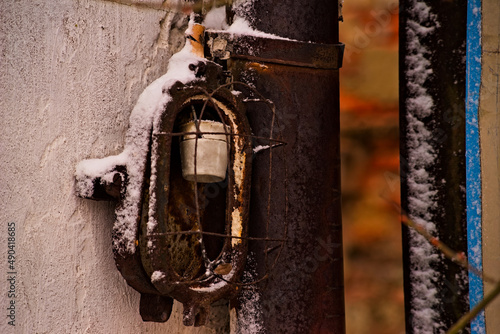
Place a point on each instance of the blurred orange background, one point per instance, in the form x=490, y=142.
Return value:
x=370, y=167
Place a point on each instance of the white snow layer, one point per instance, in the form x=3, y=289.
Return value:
x=215, y=20
x=241, y=26
x=261, y=148
x=421, y=156
x=250, y=317
x=143, y=119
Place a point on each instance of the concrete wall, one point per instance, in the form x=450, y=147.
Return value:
x=70, y=73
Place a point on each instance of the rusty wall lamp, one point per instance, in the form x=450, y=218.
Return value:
x=183, y=187
x=181, y=229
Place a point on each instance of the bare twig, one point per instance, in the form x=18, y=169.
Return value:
x=465, y=319
x=459, y=258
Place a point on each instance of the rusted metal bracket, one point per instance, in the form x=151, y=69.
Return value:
x=278, y=51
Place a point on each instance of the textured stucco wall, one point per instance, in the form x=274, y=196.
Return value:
x=70, y=74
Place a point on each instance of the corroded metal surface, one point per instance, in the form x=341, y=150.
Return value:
x=301, y=20
x=180, y=257
x=278, y=51
x=304, y=291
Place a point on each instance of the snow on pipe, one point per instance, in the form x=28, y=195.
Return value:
x=433, y=129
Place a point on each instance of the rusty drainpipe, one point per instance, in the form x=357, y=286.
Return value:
x=304, y=292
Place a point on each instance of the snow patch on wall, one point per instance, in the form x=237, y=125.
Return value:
x=144, y=119
x=421, y=157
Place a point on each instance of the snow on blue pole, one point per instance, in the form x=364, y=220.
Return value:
x=473, y=159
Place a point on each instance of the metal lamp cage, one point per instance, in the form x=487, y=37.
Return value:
x=271, y=241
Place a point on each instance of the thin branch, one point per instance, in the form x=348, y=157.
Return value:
x=460, y=259
x=465, y=319
x=457, y=257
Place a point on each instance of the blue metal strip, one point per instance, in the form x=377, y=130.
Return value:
x=473, y=159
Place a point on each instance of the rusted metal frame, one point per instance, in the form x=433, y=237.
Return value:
x=273, y=118
x=282, y=241
x=198, y=301
x=209, y=264
x=206, y=261
x=130, y=265
x=216, y=234
x=281, y=51
x=188, y=284
x=178, y=134
x=225, y=235
x=222, y=118
x=271, y=106
x=151, y=300
x=210, y=98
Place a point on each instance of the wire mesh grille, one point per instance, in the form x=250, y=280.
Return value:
x=270, y=241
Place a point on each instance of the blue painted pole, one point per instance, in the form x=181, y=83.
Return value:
x=473, y=158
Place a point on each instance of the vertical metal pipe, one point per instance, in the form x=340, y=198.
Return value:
x=304, y=292
x=303, y=20
x=432, y=125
